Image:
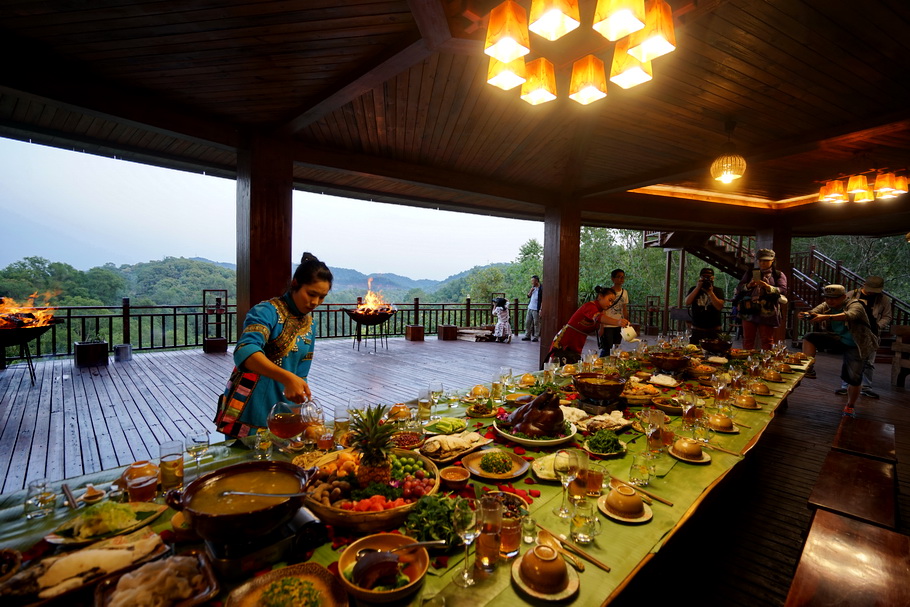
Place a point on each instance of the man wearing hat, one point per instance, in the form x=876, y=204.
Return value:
x=878, y=310
x=705, y=303
x=849, y=332
x=760, y=294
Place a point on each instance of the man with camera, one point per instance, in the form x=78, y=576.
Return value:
x=848, y=332
x=705, y=303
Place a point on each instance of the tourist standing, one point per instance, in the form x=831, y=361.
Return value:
x=705, y=303
x=878, y=311
x=760, y=295
x=618, y=310
x=532, y=320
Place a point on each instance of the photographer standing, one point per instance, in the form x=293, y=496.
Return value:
x=705, y=303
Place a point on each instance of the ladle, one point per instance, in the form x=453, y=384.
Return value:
x=254, y=494
x=365, y=551
x=545, y=538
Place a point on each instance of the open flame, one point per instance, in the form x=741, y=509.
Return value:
x=14, y=315
x=373, y=303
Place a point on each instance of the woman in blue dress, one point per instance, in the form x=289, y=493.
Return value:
x=274, y=352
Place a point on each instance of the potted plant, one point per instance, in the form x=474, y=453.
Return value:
x=90, y=352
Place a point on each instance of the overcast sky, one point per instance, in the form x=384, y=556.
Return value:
x=86, y=210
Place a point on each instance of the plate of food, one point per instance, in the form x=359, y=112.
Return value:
x=446, y=425
x=604, y=443
x=301, y=584
x=608, y=421
x=495, y=464
x=639, y=393
x=667, y=405
x=481, y=409
x=105, y=520
x=547, y=441
x=444, y=449
x=187, y=580
x=543, y=469
x=665, y=381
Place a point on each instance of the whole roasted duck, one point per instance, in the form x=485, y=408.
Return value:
x=540, y=417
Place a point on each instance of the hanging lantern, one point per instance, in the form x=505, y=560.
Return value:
x=864, y=196
x=884, y=184
x=657, y=37
x=553, y=19
x=823, y=193
x=615, y=19
x=857, y=184
x=506, y=75
x=900, y=184
x=540, y=85
x=837, y=193
x=507, y=33
x=589, y=83
x=626, y=70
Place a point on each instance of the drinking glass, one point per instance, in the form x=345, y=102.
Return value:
x=170, y=458
x=596, y=479
x=702, y=431
x=464, y=521
x=578, y=485
x=688, y=401
x=435, y=392
x=261, y=444
x=510, y=537
x=505, y=378
x=486, y=552
x=549, y=373
x=40, y=499
x=424, y=406
x=566, y=467
x=196, y=445
x=585, y=524
x=640, y=471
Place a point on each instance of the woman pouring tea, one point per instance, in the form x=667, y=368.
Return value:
x=570, y=340
x=274, y=352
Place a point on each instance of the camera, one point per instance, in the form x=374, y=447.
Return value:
x=808, y=315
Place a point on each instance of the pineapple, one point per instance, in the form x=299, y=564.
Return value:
x=373, y=440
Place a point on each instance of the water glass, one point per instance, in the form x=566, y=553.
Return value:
x=584, y=525
x=596, y=479
x=640, y=471
x=578, y=485
x=510, y=537
x=488, y=542
x=261, y=444
x=435, y=392
x=528, y=529
x=40, y=499
x=466, y=523
x=549, y=373
x=170, y=464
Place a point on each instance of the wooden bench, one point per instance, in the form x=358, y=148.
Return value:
x=866, y=437
x=849, y=563
x=857, y=487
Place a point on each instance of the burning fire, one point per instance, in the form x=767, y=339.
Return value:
x=13, y=315
x=373, y=303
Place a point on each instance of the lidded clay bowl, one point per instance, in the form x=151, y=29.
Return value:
x=771, y=375
x=624, y=501
x=721, y=422
x=746, y=400
x=480, y=391
x=543, y=570
x=759, y=388
x=687, y=448
x=783, y=368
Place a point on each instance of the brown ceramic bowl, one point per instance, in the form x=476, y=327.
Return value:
x=669, y=361
x=783, y=368
x=759, y=388
x=716, y=346
x=418, y=561
x=624, y=501
x=745, y=400
x=771, y=375
x=721, y=422
x=687, y=448
x=599, y=386
x=543, y=570
x=454, y=478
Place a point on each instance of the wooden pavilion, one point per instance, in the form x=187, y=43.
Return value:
x=387, y=100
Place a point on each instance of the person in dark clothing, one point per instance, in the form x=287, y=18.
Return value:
x=705, y=303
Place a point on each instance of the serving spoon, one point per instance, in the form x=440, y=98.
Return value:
x=545, y=538
x=365, y=551
x=254, y=494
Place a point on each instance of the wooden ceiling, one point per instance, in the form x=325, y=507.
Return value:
x=387, y=100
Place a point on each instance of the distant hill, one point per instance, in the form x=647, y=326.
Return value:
x=221, y=264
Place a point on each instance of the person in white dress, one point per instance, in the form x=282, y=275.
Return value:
x=503, y=330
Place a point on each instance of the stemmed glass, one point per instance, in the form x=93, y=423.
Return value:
x=688, y=400
x=435, y=392
x=505, y=378
x=464, y=521
x=196, y=445
x=566, y=467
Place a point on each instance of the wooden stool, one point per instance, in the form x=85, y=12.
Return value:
x=866, y=437
x=857, y=487
x=413, y=332
x=846, y=562
x=447, y=332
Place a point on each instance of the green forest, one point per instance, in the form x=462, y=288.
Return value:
x=180, y=281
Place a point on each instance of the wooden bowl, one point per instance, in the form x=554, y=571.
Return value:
x=415, y=570
x=624, y=501
x=454, y=478
x=669, y=362
x=599, y=386
x=716, y=346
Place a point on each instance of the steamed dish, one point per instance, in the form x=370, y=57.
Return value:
x=159, y=583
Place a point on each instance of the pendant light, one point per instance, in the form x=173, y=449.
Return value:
x=864, y=196
x=627, y=71
x=884, y=184
x=823, y=193
x=589, y=82
x=837, y=193
x=900, y=184
x=729, y=166
x=553, y=19
x=506, y=75
x=540, y=85
x=857, y=184
x=507, y=33
x=657, y=37
x=615, y=19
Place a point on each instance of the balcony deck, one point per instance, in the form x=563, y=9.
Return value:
x=748, y=532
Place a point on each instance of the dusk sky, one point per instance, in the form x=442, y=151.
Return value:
x=86, y=210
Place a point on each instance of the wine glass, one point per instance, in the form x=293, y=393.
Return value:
x=464, y=521
x=196, y=445
x=687, y=401
x=566, y=467
x=435, y=392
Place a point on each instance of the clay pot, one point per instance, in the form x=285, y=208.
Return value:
x=543, y=570
x=687, y=448
x=624, y=501
x=599, y=386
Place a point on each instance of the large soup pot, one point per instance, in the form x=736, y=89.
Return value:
x=239, y=527
x=669, y=361
x=599, y=386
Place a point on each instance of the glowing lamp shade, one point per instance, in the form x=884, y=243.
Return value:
x=864, y=196
x=884, y=184
x=627, y=71
x=729, y=166
x=823, y=193
x=657, y=37
x=900, y=184
x=540, y=85
x=506, y=75
x=837, y=193
x=857, y=184
x=615, y=19
x=507, y=33
x=589, y=83
x=553, y=19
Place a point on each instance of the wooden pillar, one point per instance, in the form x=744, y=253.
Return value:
x=665, y=313
x=561, y=246
x=779, y=239
x=264, y=186
x=681, y=279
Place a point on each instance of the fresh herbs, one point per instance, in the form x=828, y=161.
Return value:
x=540, y=388
x=604, y=441
x=291, y=592
x=496, y=462
x=431, y=519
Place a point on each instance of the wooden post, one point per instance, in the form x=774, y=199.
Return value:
x=665, y=314
x=417, y=311
x=561, y=246
x=126, y=320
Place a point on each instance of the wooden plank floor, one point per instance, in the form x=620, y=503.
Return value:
x=745, y=538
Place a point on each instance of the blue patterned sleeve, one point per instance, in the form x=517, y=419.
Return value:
x=260, y=322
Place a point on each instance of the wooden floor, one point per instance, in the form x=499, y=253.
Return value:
x=745, y=538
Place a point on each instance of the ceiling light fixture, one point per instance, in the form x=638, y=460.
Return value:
x=729, y=166
x=553, y=19
x=507, y=32
x=886, y=185
x=615, y=19
x=589, y=82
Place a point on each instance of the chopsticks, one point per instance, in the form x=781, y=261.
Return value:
x=573, y=548
x=652, y=496
x=716, y=448
x=742, y=425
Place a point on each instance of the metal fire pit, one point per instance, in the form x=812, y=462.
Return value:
x=20, y=336
x=370, y=325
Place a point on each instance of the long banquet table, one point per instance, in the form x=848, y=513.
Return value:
x=624, y=547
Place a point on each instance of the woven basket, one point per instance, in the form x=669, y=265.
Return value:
x=370, y=522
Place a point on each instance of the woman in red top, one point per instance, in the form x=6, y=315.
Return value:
x=570, y=340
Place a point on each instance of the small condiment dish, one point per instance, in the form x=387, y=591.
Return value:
x=454, y=478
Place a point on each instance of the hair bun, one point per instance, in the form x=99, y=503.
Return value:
x=308, y=257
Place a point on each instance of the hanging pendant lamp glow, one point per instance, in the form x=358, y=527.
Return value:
x=589, y=82
x=553, y=19
x=506, y=75
x=900, y=184
x=657, y=37
x=615, y=19
x=729, y=166
x=884, y=183
x=626, y=70
x=540, y=86
x=837, y=192
x=507, y=33
x=857, y=184
x=864, y=196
